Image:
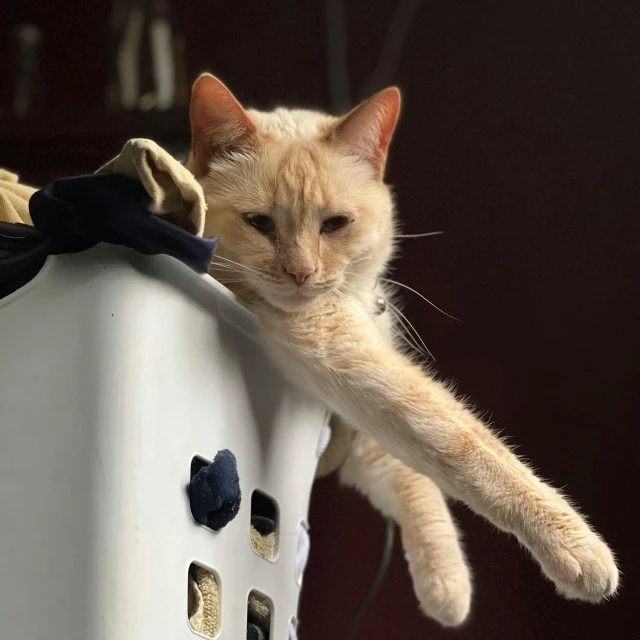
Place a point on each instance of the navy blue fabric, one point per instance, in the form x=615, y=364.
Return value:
x=263, y=525
x=77, y=213
x=214, y=492
x=23, y=251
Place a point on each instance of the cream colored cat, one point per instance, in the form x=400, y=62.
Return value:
x=306, y=227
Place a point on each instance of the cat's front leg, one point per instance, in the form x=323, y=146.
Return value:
x=336, y=352
x=439, y=571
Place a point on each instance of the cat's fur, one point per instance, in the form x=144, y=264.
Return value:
x=314, y=294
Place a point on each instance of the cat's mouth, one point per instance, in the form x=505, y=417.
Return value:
x=288, y=298
x=297, y=298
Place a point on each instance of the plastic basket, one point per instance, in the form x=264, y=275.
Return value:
x=116, y=371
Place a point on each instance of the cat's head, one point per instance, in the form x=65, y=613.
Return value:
x=296, y=197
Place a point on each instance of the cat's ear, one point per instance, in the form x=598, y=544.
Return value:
x=367, y=130
x=219, y=124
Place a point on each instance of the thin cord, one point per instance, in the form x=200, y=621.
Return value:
x=381, y=574
x=337, y=59
x=391, y=52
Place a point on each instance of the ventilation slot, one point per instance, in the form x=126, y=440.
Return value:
x=259, y=616
x=264, y=525
x=203, y=602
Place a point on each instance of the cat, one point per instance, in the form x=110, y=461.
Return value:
x=306, y=227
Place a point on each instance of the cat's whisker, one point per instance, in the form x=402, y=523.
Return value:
x=217, y=256
x=412, y=346
x=409, y=328
x=404, y=286
x=244, y=266
x=408, y=339
x=224, y=271
x=224, y=265
x=417, y=342
x=402, y=319
x=419, y=235
x=227, y=261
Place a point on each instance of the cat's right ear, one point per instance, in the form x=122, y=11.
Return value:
x=219, y=124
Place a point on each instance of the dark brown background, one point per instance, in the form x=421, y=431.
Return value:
x=519, y=138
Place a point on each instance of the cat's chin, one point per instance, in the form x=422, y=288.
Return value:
x=293, y=302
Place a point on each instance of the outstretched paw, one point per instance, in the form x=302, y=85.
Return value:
x=580, y=563
x=445, y=599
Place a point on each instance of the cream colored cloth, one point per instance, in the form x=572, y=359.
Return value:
x=14, y=199
x=172, y=188
x=264, y=546
x=204, y=602
x=259, y=609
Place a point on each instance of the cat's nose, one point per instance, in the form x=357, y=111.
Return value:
x=301, y=274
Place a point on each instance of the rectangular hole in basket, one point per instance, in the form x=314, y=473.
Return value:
x=259, y=616
x=264, y=525
x=203, y=601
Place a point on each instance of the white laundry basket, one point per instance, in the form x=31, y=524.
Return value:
x=116, y=369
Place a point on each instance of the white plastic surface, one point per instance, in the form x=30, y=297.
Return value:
x=115, y=370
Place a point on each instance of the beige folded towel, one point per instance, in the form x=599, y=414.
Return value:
x=14, y=199
x=172, y=188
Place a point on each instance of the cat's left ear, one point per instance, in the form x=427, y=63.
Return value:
x=367, y=130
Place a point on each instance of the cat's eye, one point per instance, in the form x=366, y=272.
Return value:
x=263, y=224
x=333, y=224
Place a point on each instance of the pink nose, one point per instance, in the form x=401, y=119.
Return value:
x=301, y=274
